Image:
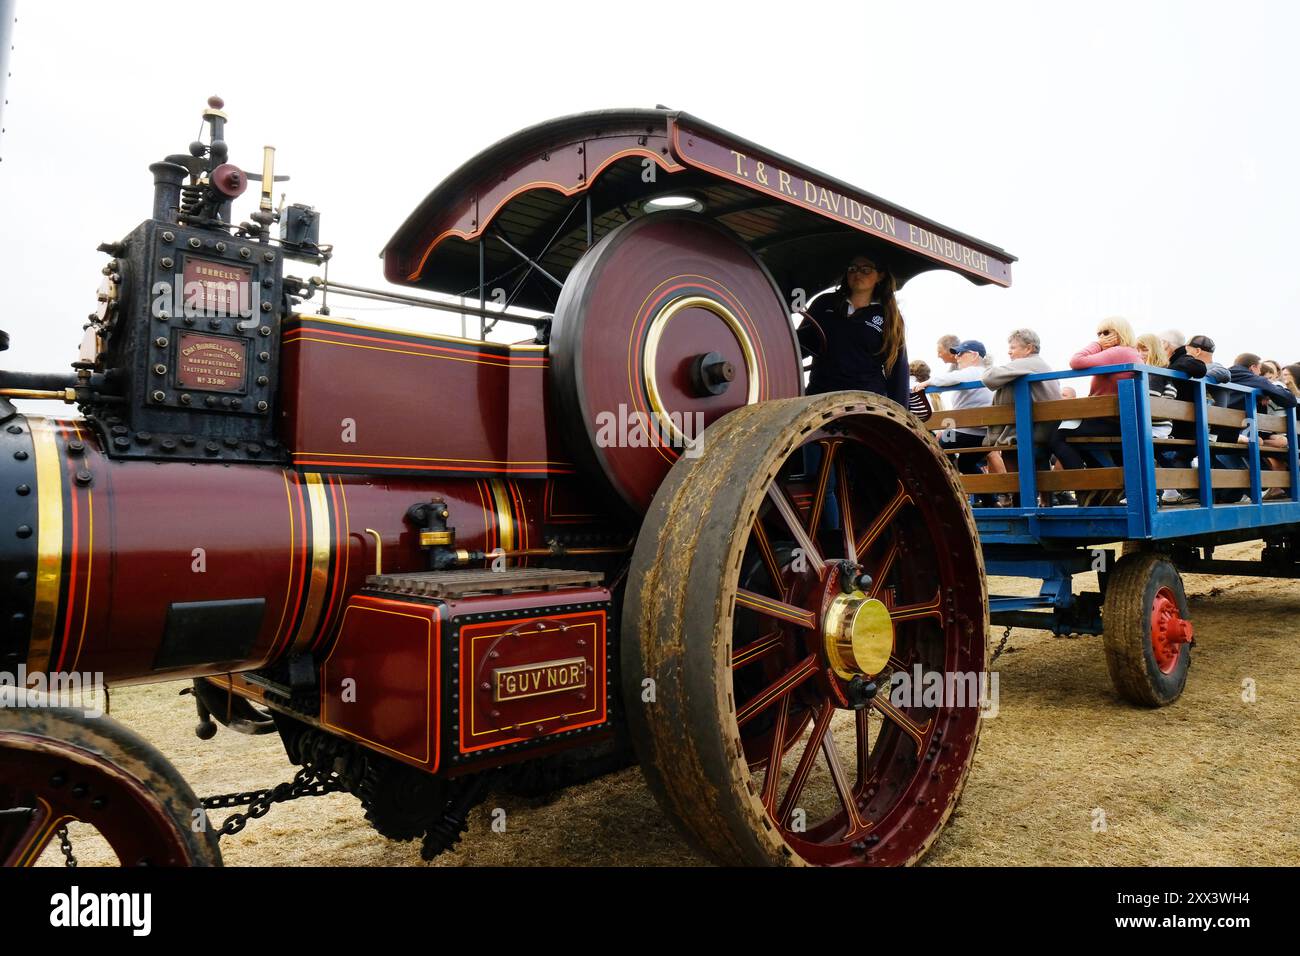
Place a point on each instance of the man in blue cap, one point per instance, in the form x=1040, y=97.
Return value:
x=970, y=368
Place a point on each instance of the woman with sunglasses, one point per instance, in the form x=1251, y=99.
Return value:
x=855, y=335
x=1115, y=345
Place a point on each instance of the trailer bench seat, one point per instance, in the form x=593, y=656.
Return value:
x=1112, y=479
x=978, y=450
x=1226, y=446
x=1108, y=475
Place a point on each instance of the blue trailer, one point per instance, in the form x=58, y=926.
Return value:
x=1120, y=525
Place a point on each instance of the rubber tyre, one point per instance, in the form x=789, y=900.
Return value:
x=1126, y=635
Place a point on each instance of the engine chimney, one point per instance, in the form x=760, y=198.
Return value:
x=167, y=178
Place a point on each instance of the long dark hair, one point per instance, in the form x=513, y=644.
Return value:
x=885, y=292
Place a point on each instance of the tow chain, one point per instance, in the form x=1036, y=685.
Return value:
x=65, y=845
x=1002, y=645
x=307, y=782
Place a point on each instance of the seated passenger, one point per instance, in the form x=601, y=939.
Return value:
x=1181, y=359
x=944, y=349
x=1068, y=393
x=1148, y=346
x=1202, y=347
x=855, y=335
x=1272, y=371
x=1113, y=346
x=1022, y=349
x=1246, y=371
x=918, y=403
x=970, y=358
x=1291, y=379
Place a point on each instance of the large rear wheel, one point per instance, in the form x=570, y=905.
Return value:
x=795, y=589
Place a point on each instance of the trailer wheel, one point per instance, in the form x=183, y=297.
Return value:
x=58, y=765
x=1146, y=630
x=772, y=601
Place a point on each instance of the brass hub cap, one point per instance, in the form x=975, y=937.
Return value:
x=858, y=634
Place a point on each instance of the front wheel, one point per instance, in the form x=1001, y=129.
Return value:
x=793, y=589
x=58, y=765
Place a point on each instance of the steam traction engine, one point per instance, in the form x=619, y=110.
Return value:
x=438, y=565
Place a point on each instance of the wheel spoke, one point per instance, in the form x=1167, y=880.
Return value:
x=786, y=509
x=829, y=448
x=772, y=781
x=806, y=761
x=30, y=836
x=779, y=688
x=901, y=497
x=841, y=784
x=774, y=608
x=846, y=509
x=882, y=570
x=904, y=723
x=764, y=647
x=862, y=726
x=910, y=612
x=769, y=558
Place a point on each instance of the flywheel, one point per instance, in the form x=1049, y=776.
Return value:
x=669, y=322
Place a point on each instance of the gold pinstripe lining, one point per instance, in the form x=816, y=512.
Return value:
x=49, y=543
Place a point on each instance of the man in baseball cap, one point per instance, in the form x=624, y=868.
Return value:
x=1202, y=347
x=970, y=368
x=970, y=345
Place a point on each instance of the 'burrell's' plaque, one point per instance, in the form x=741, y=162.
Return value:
x=217, y=288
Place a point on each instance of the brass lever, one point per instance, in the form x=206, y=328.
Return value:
x=379, y=550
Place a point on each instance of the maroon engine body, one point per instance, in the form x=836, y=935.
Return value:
x=413, y=542
x=256, y=574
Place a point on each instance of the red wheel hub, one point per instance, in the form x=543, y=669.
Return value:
x=1169, y=630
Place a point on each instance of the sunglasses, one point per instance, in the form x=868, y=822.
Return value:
x=1105, y=331
x=862, y=269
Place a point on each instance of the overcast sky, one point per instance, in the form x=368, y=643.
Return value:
x=1139, y=158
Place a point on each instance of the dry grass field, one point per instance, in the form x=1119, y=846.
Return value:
x=1211, y=779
